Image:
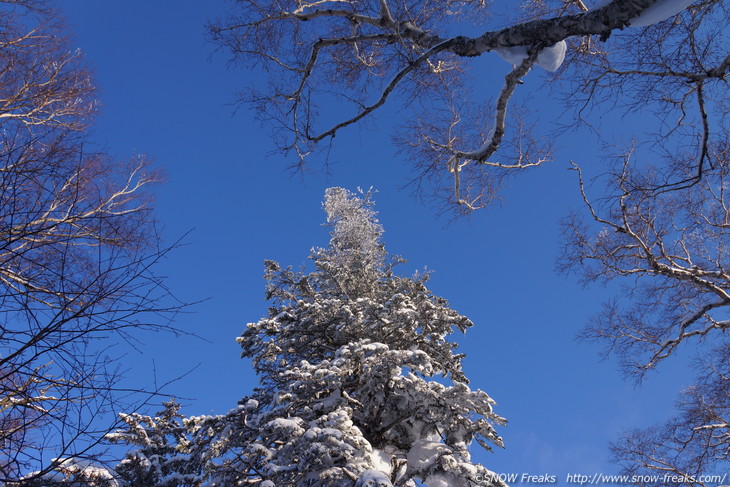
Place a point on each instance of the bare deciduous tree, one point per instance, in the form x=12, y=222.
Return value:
x=693, y=445
x=332, y=64
x=77, y=246
x=673, y=249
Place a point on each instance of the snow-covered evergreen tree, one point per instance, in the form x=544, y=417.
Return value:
x=359, y=385
x=70, y=472
x=164, y=457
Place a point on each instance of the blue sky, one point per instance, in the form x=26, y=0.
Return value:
x=166, y=93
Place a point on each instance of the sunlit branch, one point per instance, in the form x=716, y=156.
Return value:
x=667, y=347
x=386, y=91
x=510, y=83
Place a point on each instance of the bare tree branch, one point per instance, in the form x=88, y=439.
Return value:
x=360, y=53
x=673, y=244
x=77, y=253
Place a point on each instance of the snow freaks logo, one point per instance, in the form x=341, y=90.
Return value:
x=519, y=478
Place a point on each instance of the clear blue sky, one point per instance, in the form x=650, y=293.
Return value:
x=167, y=94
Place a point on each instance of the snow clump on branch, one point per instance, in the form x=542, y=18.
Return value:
x=549, y=59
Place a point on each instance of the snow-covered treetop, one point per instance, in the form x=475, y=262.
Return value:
x=352, y=294
x=355, y=257
x=348, y=358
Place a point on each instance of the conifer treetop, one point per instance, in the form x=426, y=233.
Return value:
x=360, y=385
